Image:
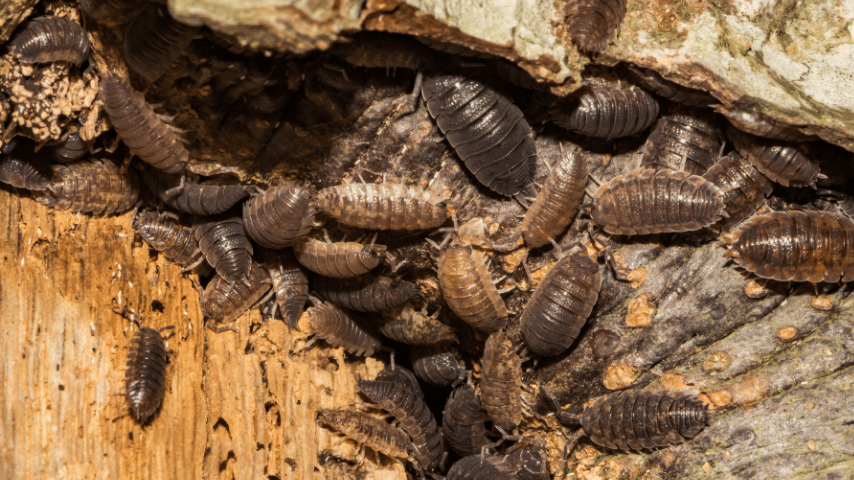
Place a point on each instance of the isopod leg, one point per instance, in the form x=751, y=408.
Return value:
x=416, y=92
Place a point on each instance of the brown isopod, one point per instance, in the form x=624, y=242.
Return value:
x=280, y=216
x=207, y=198
x=796, y=246
x=154, y=40
x=501, y=385
x=92, y=186
x=683, y=139
x=558, y=201
x=403, y=376
x=610, y=112
x=291, y=285
x=383, y=206
x=488, y=132
x=366, y=293
x=340, y=259
x=368, y=431
x=743, y=186
x=414, y=416
x=50, y=39
x=755, y=123
x=224, y=301
x=224, y=243
x=785, y=163
x=468, y=288
x=20, y=173
x=145, y=370
x=593, y=23
x=482, y=467
x=143, y=131
x=110, y=13
x=530, y=464
x=389, y=51
x=175, y=241
x=648, y=201
x=438, y=365
x=70, y=147
x=643, y=420
x=463, y=422
x=560, y=305
x=664, y=88
x=343, y=329
x=411, y=327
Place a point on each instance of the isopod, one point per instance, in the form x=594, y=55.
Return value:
x=143, y=131
x=480, y=467
x=412, y=327
x=414, y=416
x=558, y=201
x=145, y=370
x=593, y=23
x=560, y=305
x=50, y=39
x=438, y=365
x=755, y=123
x=501, y=385
x=744, y=187
x=92, y=186
x=643, y=420
x=280, y=216
x=343, y=329
x=683, y=139
x=463, y=422
x=798, y=246
x=20, y=173
x=468, y=289
x=649, y=201
x=70, y=147
x=530, y=464
x=383, y=206
x=224, y=301
x=368, y=431
x=224, y=243
x=674, y=92
x=609, y=112
x=207, y=198
x=111, y=13
x=339, y=260
x=389, y=51
x=403, y=376
x=176, y=242
x=784, y=163
x=488, y=132
x=291, y=285
x=154, y=40
x=366, y=293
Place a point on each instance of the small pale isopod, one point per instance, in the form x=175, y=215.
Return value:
x=92, y=186
x=383, y=206
x=368, y=431
x=501, y=385
x=648, y=201
x=177, y=242
x=143, y=131
x=49, y=39
x=487, y=131
x=280, y=216
x=468, y=289
x=411, y=327
x=366, y=293
x=796, y=246
x=339, y=260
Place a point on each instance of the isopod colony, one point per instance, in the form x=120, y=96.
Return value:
x=418, y=282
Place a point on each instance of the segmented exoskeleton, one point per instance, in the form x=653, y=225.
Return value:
x=208, y=198
x=501, y=385
x=49, y=39
x=383, y=206
x=224, y=243
x=593, y=23
x=463, y=422
x=176, y=242
x=468, y=289
x=339, y=260
x=154, y=40
x=366, y=293
x=224, y=301
x=93, y=186
x=609, y=112
x=280, y=216
x=343, y=329
x=411, y=327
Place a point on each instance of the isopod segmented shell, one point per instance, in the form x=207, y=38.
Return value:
x=683, y=139
x=49, y=39
x=366, y=293
x=744, y=187
x=224, y=243
x=176, y=242
x=70, y=147
x=796, y=246
x=784, y=163
x=610, y=112
x=648, y=201
x=208, y=198
x=557, y=203
x=644, y=420
x=438, y=365
x=402, y=376
x=291, y=285
x=411, y=327
x=593, y=23
x=154, y=40
x=142, y=130
x=20, y=173
x=92, y=186
x=280, y=216
x=343, y=329
x=463, y=422
x=111, y=13
x=560, y=305
x=479, y=467
x=501, y=385
x=225, y=301
x=487, y=131
x=383, y=206
x=338, y=260
x=468, y=289
x=371, y=432
x=530, y=464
